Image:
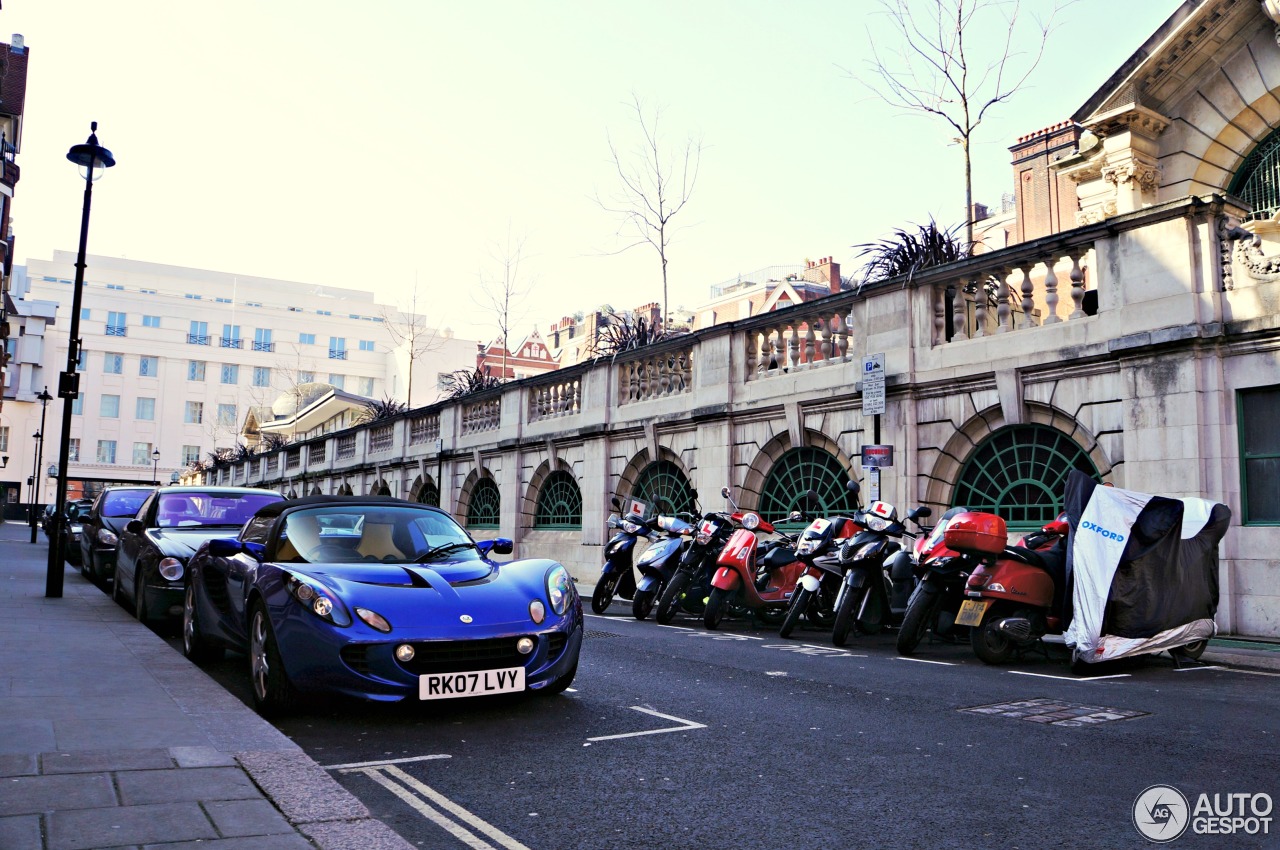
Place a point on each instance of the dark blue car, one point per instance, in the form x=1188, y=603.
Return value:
x=380, y=599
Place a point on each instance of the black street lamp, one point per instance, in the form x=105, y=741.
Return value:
x=45, y=398
x=155, y=466
x=93, y=160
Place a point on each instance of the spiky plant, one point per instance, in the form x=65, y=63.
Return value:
x=624, y=332
x=908, y=251
x=376, y=411
x=464, y=382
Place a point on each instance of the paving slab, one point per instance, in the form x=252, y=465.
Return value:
x=21, y=795
x=143, y=787
x=92, y=829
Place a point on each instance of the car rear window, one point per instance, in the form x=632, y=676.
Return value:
x=124, y=502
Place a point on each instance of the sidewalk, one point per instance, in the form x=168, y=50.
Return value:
x=109, y=738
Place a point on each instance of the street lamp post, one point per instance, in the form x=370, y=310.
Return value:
x=45, y=398
x=93, y=160
x=155, y=466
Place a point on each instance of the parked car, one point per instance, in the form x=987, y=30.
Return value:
x=380, y=599
x=71, y=530
x=101, y=526
x=169, y=527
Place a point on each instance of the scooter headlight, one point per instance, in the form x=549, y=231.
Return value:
x=876, y=523
x=630, y=527
x=751, y=521
x=806, y=547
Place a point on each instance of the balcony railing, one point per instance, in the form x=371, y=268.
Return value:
x=483, y=415
x=117, y=330
x=337, y=354
x=424, y=429
x=346, y=446
x=293, y=458
x=561, y=398
x=263, y=346
x=197, y=339
x=232, y=342
x=656, y=375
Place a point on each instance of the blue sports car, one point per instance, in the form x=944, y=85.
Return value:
x=380, y=599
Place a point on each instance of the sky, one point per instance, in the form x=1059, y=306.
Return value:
x=394, y=143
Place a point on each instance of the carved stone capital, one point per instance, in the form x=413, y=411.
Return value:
x=1145, y=175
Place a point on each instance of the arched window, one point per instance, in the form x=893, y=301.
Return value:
x=429, y=494
x=663, y=485
x=1257, y=181
x=559, y=502
x=1020, y=473
x=799, y=471
x=484, y=504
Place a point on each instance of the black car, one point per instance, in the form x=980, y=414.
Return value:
x=101, y=525
x=169, y=528
x=71, y=530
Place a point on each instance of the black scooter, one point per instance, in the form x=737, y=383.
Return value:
x=616, y=575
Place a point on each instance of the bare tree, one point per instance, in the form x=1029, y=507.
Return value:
x=935, y=72
x=656, y=181
x=408, y=329
x=503, y=289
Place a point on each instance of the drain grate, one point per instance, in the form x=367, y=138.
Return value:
x=1056, y=712
x=595, y=633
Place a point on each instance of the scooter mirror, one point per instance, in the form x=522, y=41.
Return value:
x=617, y=506
x=853, y=486
x=811, y=500
x=725, y=491
x=920, y=512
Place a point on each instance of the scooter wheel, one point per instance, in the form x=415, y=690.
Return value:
x=602, y=597
x=921, y=614
x=990, y=645
x=716, y=604
x=799, y=604
x=1190, y=650
x=670, y=601
x=642, y=604
x=844, y=618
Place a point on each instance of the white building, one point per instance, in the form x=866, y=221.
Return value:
x=174, y=358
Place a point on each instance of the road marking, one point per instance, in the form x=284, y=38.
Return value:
x=925, y=661
x=679, y=628
x=722, y=635
x=1208, y=667
x=381, y=762
x=685, y=724
x=808, y=649
x=407, y=785
x=1069, y=678
x=1249, y=672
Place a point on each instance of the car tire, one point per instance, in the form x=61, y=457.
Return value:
x=716, y=604
x=669, y=603
x=1190, y=650
x=116, y=595
x=195, y=645
x=273, y=695
x=602, y=596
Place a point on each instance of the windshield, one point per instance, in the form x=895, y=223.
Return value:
x=371, y=534
x=123, y=502
x=192, y=510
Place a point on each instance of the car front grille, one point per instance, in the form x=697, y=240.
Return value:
x=459, y=656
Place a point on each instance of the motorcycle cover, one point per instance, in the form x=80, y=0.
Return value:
x=1143, y=570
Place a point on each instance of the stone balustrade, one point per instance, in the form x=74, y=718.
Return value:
x=806, y=337
x=381, y=438
x=424, y=429
x=483, y=415
x=554, y=399
x=651, y=374
x=346, y=446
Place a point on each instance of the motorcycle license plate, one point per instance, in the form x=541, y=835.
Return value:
x=971, y=611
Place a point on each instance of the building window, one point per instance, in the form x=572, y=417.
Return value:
x=226, y=415
x=199, y=333
x=429, y=494
x=116, y=324
x=231, y=336
x=230, y=373
x=337, y=348
x=262, y=340
x=148, y=366
x=305, y=377
x=145, y=409
x=195, y=370
x=73, y=449
x=795, y=474
x=151, y=321
x=338, y=381
x=112, y=363
x=106, y=451
x=115, y=286
x=1257, y=413
x=4, y=438
x=82, y=361
x=1256, y=182
x=307, y=339
x=559, y=502
x=141, y=454
x=484, y=505
x=148, y=292
x=364, y=387
x=261, y=376
x=443, y=380
x=190, y=454
x=110, y=407
x=84, y=314
x=366, y=345
x=193, y=297
x=664, y=485
x=194, y=414
x=324, y=312
x=77, y=404
x=219, y=300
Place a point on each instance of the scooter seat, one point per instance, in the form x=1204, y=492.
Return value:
x=778, y=556
x=1025, y=556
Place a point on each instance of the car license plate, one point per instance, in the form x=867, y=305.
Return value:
x=481, y=683
x=971, y=611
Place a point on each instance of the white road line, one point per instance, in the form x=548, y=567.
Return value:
x=457, y=811
x=381, y=762
x=1208, y=667
x=459, y=832
x=1069, y=678
x=925, y=661
x=685, y=724
x=1249, y=672
x=680, y=628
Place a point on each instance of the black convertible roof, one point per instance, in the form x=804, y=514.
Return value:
x=277, y=508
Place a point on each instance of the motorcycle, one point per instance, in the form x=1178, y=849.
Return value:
x=815, y=595
x=690, y=584
x=750, y=577
x=865, y=600
x=939, y=574
x=616, y=575
x=658, y=563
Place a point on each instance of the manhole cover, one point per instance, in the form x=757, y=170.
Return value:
x=1056, y=712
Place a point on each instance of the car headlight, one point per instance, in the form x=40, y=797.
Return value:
x=107, y=538
x=559, y=589
x=751, y=521
x=876, y=523
x=170, y=569
x=317, y=599
x=374, y=619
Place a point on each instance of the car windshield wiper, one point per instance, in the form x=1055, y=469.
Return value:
x=444, y=549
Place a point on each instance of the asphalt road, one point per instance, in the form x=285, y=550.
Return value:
x=795, y=744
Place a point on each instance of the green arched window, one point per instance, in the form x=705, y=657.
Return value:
x=429, y=494
x=484, y=504
x=1020, y=473
x=799, y=471
x=559, y=502
x=664, y=486
x=1257, y=181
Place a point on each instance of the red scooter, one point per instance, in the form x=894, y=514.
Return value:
x=1016, y=593
x=752, y=577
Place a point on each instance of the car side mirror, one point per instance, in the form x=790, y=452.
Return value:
x=497, y=546
x=224, y=547
x=134, y=526
x=255, y=550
